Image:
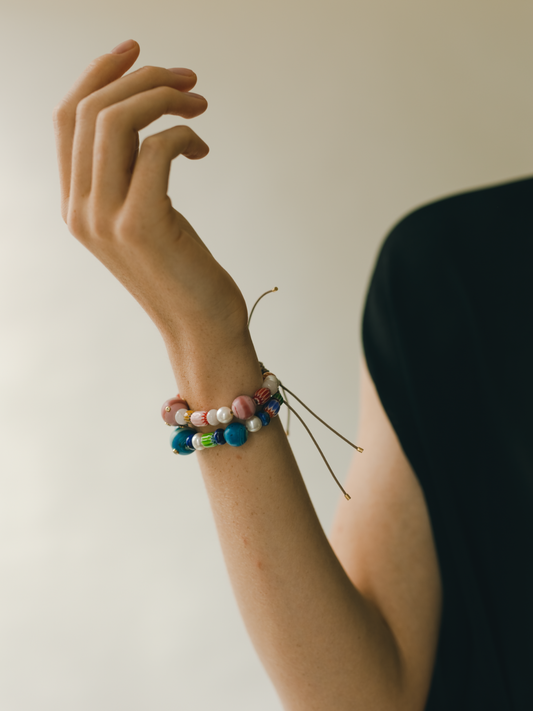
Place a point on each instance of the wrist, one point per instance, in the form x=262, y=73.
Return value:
x=211, y=372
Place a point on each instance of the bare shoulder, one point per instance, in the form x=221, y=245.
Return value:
x=384, y=540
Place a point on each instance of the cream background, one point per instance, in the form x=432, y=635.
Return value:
x=327, y=123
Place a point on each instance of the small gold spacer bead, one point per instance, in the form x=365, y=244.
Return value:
x=167, y=409
x=175, y=451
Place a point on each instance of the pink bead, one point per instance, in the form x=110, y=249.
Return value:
x=243, y=407
x=174, y=404
x=199, y=418
x=261, y=396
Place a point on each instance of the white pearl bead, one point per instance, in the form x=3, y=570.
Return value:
x=253, y=424
x=212, y=418
x=197, y=441
x=179, y=417
x=272, y=383
x=224, y=415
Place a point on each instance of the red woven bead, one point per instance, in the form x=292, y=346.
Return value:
x=261, y=396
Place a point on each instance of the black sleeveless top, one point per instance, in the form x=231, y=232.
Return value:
x=448, y=338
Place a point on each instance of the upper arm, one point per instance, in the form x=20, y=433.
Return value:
x=383, y=539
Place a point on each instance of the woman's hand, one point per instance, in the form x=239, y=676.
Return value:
x=115, y=202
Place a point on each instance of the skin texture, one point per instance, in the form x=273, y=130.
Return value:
x=351, y=624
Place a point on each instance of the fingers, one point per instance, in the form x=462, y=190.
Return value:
x=98, y=87
x=99, y=73
x=114, y=142
x=149, y=183
x=108, y=119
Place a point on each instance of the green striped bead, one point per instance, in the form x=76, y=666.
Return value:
x=208, y=440
x=278, y=396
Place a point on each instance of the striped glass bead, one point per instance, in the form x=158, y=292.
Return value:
x=199, y=418
x=264, y=417
x=180, y=441
x=261, y=396
x=236, y=434
x=279, y=397
x=208, y=440
x=272, y=407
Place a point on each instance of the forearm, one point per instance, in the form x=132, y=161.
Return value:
x=320, y=640
x=323, y=644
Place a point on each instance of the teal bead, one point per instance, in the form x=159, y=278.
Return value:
x=178, y=441
x=235, y=434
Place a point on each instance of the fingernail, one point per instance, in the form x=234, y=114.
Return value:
x=123, y=47
x=196, y=96
x=181, y=70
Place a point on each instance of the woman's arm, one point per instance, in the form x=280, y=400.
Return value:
x=384, y=541
x=325, y=643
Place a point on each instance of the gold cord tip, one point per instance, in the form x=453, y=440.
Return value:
x=347, y=497
x=360, y=449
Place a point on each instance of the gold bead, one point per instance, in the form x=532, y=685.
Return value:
x=167, y=409
x=175, y=451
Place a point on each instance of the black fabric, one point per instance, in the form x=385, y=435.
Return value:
x=448, y=338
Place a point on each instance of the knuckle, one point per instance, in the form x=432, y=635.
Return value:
x=127, y=227
x=155, y=142
x=84, y=108
x=150, y=71
x=75, y=223
x=108, y=116
x=188, y=132
x=61, y=114
x=101, y=227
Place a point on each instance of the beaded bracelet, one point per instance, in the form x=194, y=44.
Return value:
x=185, y=440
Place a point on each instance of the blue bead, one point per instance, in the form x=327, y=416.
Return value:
x=264, y=417
x=272, y=407
x=235, y=434
x=218, y=436
x=180, y=440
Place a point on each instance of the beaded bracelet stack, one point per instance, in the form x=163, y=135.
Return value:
x=255, y=413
